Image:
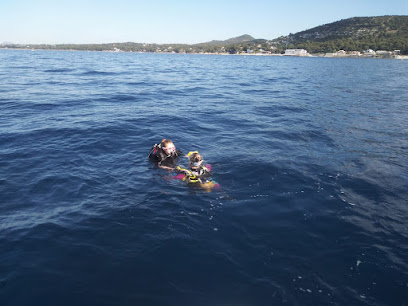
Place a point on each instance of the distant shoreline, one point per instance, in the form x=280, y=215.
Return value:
x=398, y=57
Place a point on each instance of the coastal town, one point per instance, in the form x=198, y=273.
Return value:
x=396, y=54
x=257, y=51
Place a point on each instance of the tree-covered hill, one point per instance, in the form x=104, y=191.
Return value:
x=235, y=40
x=358, y=33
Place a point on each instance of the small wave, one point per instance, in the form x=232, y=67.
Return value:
x=119, y=98
x=58, y=70
x=96, y=72
x=261, y=91
x=141, y=83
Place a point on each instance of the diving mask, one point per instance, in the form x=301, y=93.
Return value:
x=196, y=164
x=169, y=150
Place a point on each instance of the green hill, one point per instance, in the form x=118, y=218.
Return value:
x=359, y=33
x=235, y=40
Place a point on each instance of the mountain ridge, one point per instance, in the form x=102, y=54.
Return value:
x=233, y=40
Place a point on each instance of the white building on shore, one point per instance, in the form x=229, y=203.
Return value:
x=369, y=52
x=296, y=52
x=342, y=53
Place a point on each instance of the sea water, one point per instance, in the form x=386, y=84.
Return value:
x=310, y=153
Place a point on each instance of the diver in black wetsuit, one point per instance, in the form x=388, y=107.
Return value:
x=165, y=154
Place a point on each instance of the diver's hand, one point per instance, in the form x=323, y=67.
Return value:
x=165, y=167
x=179, y=169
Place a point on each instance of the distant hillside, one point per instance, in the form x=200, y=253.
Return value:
x=235, y=40
x=359, y=33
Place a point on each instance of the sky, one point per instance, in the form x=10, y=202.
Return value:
x=177, y=21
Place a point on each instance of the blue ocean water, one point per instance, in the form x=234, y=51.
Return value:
x=311, y=155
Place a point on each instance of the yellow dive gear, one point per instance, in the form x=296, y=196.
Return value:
x=191, y=152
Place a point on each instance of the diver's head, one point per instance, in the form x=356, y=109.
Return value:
x=168, y=147
x=195, y=160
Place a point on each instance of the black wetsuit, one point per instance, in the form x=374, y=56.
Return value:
x=202, y=172
x=162, y=159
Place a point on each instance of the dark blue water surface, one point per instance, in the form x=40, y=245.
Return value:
x=311, y=155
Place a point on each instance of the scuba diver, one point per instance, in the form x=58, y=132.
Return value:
x=198, y=173
x=165, y=154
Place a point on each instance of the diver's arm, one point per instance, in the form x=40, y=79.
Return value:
x=167, y=168
x=160, y=165
x=206, y=173
x=164, y=167
x=182, y=170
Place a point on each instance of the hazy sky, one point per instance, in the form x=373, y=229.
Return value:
x=177, y=21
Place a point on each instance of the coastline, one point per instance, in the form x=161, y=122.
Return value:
x=397, y=57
